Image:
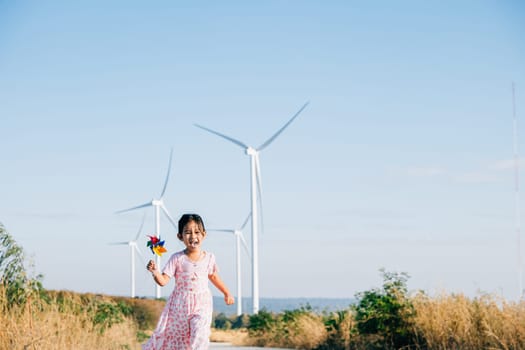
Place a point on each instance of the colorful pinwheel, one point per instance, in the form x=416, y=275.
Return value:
x=156, y=245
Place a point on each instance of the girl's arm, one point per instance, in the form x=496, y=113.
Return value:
x=217, y=282
x=160, y=278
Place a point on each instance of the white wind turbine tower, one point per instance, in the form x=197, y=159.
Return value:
x=521, y=291
x=158, y=204
x=255, y=176
x=132, y=249
x=239, y=239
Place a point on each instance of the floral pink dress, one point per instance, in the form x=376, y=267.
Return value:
x=186, y=319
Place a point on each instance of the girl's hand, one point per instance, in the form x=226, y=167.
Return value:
x=151, y=266
x=228, y=299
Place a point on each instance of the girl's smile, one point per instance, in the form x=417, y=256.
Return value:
x=194, y=242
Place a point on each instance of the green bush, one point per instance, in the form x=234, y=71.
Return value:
x=221, y=321
x=19, y=286
x=224, y=322
x=385, y=316
x=262, y=321
x=241, y=321
x=107, y=314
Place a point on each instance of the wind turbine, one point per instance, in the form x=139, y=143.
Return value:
x=239, y=239
x=255, y=186
x=133, y=248
x=521, y=291
x=158, y=204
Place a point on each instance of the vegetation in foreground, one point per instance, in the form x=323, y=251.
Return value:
x=382, y=318
x=390, y=318
x=33, y=318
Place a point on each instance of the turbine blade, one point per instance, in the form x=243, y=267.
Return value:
x=270, y=140
x=141, y=256
x=137, y=207
x=237, y=142
x=246, y=221
x=258, y=176
x=141, y=226
x=259, y=189
x=244, y=244
x=119, y=243
x=167, y=176
x=169, y=217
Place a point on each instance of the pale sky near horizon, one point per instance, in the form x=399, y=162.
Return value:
x=402, y=160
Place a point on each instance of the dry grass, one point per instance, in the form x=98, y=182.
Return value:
x=232, y=336
x=457, y=322
x=440, y=323
x=146, y=312
x=65, y=321
x=308, y=332
x=305, y=331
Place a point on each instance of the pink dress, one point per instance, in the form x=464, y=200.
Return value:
x=186, y=319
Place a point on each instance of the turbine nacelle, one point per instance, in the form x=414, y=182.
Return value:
x=157, y=202
x=251, y=151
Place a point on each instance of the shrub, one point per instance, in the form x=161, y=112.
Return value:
x=386, y=315
x=17, y=284
x=262, y=321
x=241, y=321
x=221, y=321
x=109, y=313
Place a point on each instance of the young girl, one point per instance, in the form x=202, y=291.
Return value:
x=185, y=321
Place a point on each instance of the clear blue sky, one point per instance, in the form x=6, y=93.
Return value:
x=402, y=160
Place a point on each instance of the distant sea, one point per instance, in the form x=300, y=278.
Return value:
x=281, y=304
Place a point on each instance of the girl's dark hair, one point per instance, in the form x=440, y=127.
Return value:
x=184, y=219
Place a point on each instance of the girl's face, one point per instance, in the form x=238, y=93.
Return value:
x=192, y=236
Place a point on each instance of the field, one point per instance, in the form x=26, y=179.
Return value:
x=67, y=320
x=387, y=318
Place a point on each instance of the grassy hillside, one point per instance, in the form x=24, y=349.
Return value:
x=67, y=320
x=34, y=318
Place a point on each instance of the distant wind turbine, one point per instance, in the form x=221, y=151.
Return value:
x=255, y=176
x=239, y=239
x=517, y=196
x=158, y=204
x=133, y=248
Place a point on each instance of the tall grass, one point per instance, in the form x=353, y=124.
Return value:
x=63, y=320
x=33, y=318
x=389, y=318
x=299, y=329
x=457, y=322
x=448, y=321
